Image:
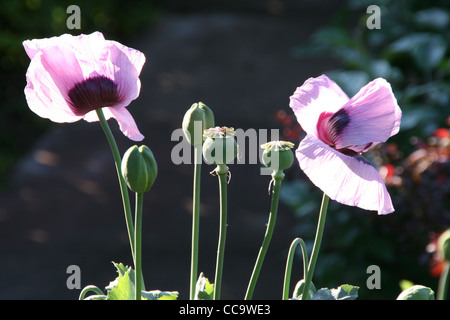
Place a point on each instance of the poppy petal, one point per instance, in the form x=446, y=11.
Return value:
x=126, y=71
x=348, y=180
x=116, y=62
x=373, y=114
x=315, y=97
x=70, y=76
x=136, y=57
x=47, y=83
x=33, y=47
x=124, y=118
x=126, y=123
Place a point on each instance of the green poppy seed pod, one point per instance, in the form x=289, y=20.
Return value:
x=416, y=292
x=219, y=147
x=277, y=155
x=299, y=287
x=198, y=118
x=443, y=244
x=139, y=168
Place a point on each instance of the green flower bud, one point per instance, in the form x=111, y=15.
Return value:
x=139, y=168
x=416, y=292
x=198, y=118
x=443, y=244
x=220, y=147
x=277, y=155
x=299, y=287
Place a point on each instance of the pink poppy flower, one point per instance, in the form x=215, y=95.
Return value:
x=338, y=130
x=69, y=77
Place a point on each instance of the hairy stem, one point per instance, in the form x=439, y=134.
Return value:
x=316, y=247
x=138, y=245
x=288, y=271
x=195, y=220
x=277, y=179
x=222, y=172
x=444, y=282
x=122, y=183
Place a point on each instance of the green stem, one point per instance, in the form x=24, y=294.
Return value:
x=122, y=183
x=316, y=247
x=288, y=271
x=444, y=281
x=195, y=220
x=277, y=178
x=222, y=172
x=92, y=288
x=138, y=245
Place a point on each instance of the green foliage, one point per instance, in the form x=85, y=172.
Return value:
x=444, y=245
x=343, y=292
x=416, y=292
x=300, y=287
x=204, y=289
x=123, y=288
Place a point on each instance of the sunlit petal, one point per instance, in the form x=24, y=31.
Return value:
x=373, y=115
x=348, y=180
x=316, y=96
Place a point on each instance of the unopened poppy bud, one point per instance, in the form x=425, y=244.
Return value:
x=444, y=245
x=299, y=288
x=198, y=118
x=277, y=155
x=139, y=168
x=220, y=147
x=416, y=292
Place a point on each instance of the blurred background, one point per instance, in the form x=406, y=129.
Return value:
x=59, y=199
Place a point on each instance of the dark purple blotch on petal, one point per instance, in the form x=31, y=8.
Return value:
x=348, y=152
x=93, y=93
x=337, y=123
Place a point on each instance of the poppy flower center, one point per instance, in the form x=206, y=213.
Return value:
x=330, y=126
x=93, y=93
